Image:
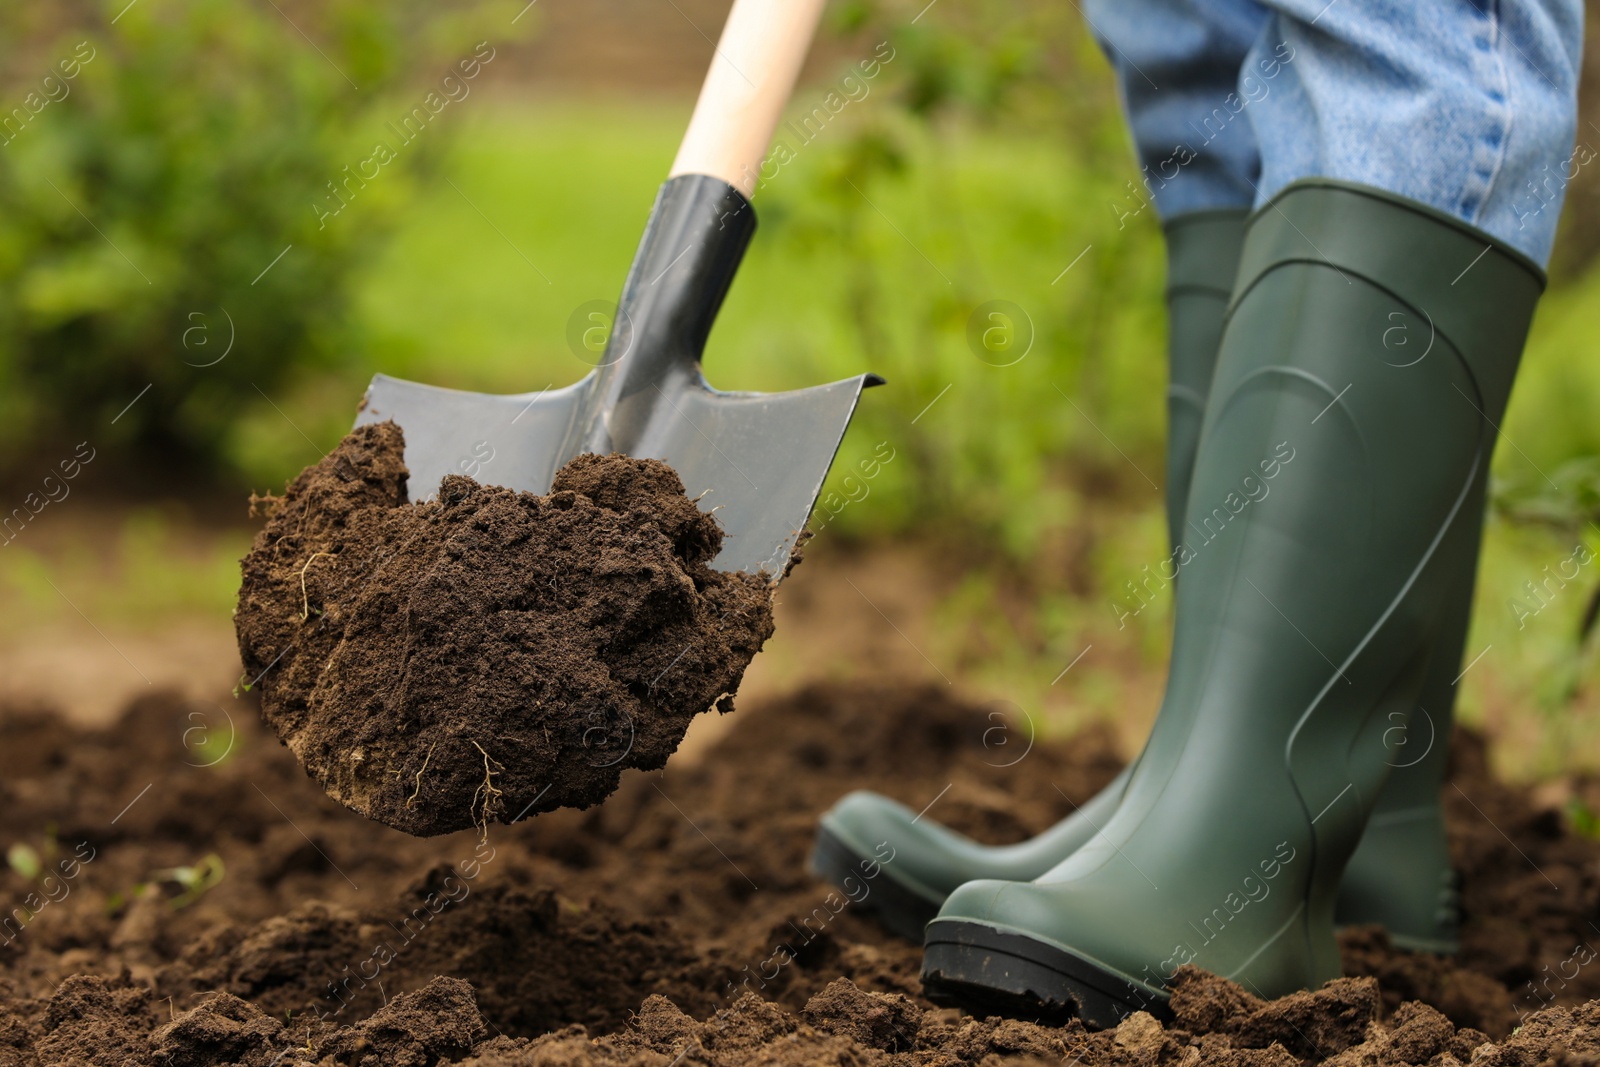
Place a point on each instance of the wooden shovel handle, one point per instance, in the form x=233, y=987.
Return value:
x=752, y=75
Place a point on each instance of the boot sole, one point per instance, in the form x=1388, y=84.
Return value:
x=989, y=971
x=901, y=910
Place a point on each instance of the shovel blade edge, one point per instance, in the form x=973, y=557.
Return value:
x=757, y=460
x=511, y=440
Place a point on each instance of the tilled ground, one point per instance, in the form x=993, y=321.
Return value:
x=178, y=892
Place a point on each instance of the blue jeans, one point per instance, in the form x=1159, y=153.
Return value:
x=1468, y=107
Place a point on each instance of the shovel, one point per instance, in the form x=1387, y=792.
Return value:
x=757, y=459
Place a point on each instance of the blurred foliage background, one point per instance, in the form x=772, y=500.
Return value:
x=159, y=157
x=174, y=204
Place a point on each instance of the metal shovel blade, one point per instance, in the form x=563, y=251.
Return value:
x=757, y=459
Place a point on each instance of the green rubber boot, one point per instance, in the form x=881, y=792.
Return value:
x=932, y=860
x=1401, y=876
x=1318, y=566
x=1202, y=259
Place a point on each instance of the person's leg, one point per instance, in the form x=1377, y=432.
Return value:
x=1178, y=65
x=1469, y=109
x=1316, y=607
x=1473, y=117
x=1331, y=480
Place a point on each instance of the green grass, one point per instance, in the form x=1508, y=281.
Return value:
x=543, y=210
x=140, y=571
x=475, y=290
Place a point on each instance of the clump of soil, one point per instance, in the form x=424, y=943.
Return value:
x=438, y=1022
x=1217, y=1024
x=488, y=654
x=675, y=923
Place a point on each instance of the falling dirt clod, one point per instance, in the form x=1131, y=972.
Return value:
x=488, y=654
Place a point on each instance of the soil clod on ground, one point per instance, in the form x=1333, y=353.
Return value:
x=488, y=654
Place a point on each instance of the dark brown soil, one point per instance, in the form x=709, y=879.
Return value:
x=488, y=654
x=674, y=924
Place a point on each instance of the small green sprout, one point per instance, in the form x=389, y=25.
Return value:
x=195, y=881
x=1585, y=820
x=24, y=859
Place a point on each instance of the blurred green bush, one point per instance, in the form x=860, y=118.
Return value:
x=160, y=235
x=980, y=202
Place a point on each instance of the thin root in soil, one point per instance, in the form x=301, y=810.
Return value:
x=490, y=794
